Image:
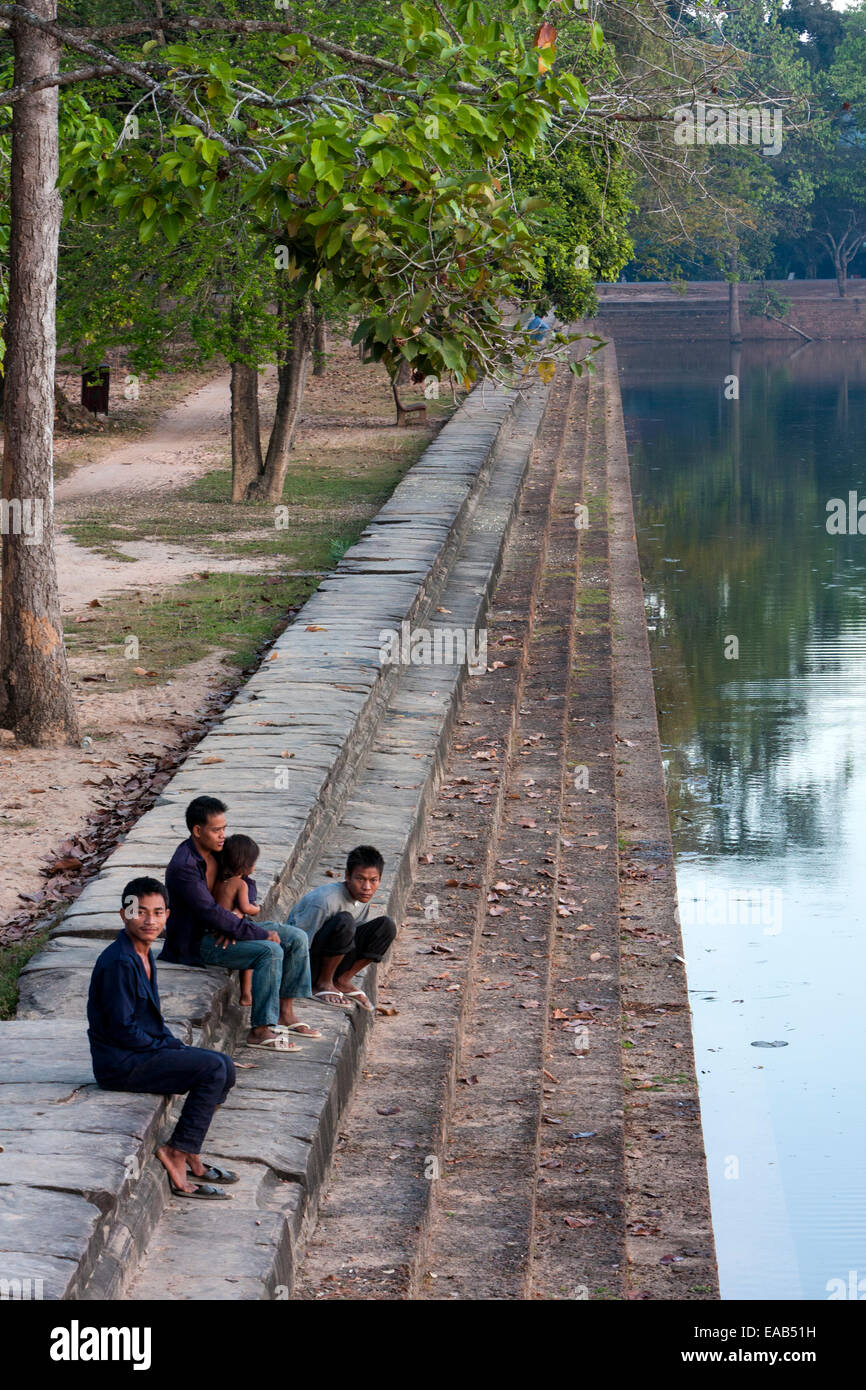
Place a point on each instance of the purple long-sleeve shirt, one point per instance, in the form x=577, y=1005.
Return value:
x=193, y=911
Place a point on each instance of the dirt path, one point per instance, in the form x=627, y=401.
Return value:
x=84, y=575
x=187, y=440
x=125, y=730
x=47, y=796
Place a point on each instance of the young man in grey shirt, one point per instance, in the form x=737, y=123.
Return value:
x=343, y=937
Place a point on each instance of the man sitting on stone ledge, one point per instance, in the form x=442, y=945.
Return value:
x=343, y=937
x=132, y=1050
x=201, y=932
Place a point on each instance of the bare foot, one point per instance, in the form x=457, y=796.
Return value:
x=258, y=1035
x=174, y=1162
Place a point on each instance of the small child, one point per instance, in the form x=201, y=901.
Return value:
x=232, y=890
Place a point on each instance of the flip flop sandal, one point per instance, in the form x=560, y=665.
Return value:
x=328, y=995
x=280, y=1043
x=303, y=1030
x=363, y=1001
x=204, y=1191
x=213, y=1173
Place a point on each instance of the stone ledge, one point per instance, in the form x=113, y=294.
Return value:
x=324, y=691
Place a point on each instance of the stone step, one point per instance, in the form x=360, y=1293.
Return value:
x=667, y=1196
x=371, y=1237
x=579, y=1235
x=391, y=792
x=326, y=693
x=480, y=1235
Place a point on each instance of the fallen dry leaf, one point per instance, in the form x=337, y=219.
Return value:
x=59, y=865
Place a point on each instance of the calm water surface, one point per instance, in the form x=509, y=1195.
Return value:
x=764, y=739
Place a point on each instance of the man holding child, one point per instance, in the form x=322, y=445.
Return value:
x=200, y=932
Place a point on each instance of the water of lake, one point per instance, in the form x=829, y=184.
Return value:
x=758, y=639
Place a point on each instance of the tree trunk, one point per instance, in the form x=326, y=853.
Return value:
x=247, y=464
x=70, y=415
x=320, y=343
x=736, y=332
x=292, y=378
x=35, y=691
x=841, y=272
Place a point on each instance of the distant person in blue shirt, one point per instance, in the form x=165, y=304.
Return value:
x=132, y=1050
x=343, y=937
x=537, y=329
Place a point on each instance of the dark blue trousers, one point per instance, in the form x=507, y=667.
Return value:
x=172, y=1071
x=340, y=935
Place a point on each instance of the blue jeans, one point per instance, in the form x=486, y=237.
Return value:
x=281, y=970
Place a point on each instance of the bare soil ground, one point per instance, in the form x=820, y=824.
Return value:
x=141, y=550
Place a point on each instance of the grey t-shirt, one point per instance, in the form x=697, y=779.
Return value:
x=315, y=907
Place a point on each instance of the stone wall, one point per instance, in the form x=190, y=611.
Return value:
x=651, y=310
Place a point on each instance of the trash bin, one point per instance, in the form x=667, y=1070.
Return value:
x=94, y=389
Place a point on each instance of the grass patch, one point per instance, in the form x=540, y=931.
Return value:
x=237, y=613
x=12, y=961
x=328, y=481
x=202, y=514
x=329, y=496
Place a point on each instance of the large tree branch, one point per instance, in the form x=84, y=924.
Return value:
x=60, y=79
x=186, y=24
x=134, y=71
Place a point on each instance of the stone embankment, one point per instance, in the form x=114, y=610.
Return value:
x=698, y=311
x=529, y=1126
x=553, y=1082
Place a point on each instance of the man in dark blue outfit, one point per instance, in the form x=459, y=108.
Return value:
x=132, y=1050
